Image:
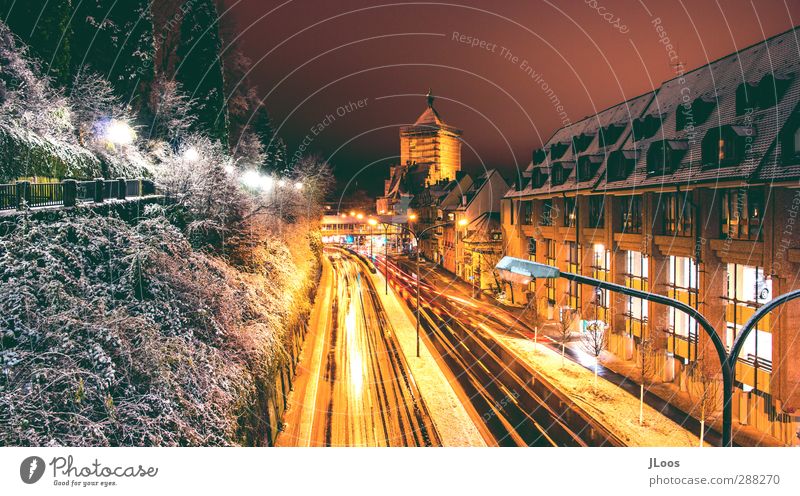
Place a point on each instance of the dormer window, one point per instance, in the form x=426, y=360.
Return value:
x=724, y=146
x=663, y=157
x=559, y=174
x=588, y=166
x=610, y=134
x=539, y=177
x=557, y=150
x=696, y=113
x=646, y=127
x=581, y=142
x=538, y=156
x=790, y=140
x=621, y=164
x=771, y=89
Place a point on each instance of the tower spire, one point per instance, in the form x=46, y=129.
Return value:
x=431, y=98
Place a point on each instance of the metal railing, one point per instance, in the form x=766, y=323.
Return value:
x=68, y=193
x=45, y=194
x=8, y=196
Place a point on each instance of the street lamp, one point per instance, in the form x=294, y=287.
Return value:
x=417, y=236
x=512, y=269
x=191, y=154
x=119, y=132
x=372, y=223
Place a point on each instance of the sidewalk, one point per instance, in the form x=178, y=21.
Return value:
x=453, y=423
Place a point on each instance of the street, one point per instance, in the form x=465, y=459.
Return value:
x=365, y=394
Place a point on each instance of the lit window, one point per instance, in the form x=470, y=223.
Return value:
x=749, y=288
x=636, y=277
x=683, y=286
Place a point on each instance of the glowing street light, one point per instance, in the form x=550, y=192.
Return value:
x=251, y=179
x=265, y=182
x=119, y=132
x=359, y=216
x=412, y=217
x=463, y=222
x=191, y=154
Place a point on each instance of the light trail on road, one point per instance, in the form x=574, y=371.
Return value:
x=366, y=395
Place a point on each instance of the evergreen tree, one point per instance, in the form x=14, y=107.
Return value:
x=199, y=69
x=116, y=40
x=44, y=26
x=273, y=146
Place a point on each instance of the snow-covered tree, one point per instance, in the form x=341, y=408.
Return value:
x=30, y=101
x=170, y=112
x=250, y=151
x=705, y=372
x=594, y=339
x=566, y=319
x=44, y=26
x=116, y=39
x=645, y=365
x=92, y=100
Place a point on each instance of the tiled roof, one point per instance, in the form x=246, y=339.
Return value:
x=707, y=100
x=718, y=83
x=620, y=115
x=429, y=117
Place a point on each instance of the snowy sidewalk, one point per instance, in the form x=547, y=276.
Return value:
x=617, y=410
x=453, y=424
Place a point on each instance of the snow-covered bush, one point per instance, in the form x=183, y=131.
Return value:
x=115, y=334
x=29, y=99
x=202, y=181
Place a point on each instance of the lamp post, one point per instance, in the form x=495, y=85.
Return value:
x=417, y=236
x=516, y=269
x=372, y=223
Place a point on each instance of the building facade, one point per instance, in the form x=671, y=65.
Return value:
x=691, y=191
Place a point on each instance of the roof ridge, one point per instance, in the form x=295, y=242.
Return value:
x=731, y=54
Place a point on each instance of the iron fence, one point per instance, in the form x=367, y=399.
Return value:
x=45, y=194
x=70, y=192
x=8, y=196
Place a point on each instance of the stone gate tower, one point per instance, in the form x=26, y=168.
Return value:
x=431, y=143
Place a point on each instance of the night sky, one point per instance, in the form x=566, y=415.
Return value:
x=340, y=77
